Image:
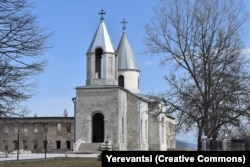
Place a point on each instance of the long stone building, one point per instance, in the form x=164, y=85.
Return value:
x=31, y=132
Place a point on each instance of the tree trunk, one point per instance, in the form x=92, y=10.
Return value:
x=199, y=142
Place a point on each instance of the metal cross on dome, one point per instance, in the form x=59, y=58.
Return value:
x=102, y=13
x=124, y=22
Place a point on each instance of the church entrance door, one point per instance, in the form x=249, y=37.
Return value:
x=97, y=128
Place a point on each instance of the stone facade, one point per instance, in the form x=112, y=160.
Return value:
x=60, y=134
x=128, y=120
x=110, y=107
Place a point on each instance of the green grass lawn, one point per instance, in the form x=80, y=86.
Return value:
x=56, y=162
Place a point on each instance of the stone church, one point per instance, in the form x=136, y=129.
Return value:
x=111, y=107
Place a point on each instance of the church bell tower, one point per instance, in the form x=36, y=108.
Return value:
x=101, y=58
x=128, y=70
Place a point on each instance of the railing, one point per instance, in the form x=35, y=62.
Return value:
x=226, y=145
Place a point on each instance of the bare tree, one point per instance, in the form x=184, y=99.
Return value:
x=22, y=43
x=202, y=43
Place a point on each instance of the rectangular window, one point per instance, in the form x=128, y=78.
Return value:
x=5, y=128
x=58, y=144
x=58, y=127
x=16, y=128
x=25, y=128
x=68, y=144
x=35, y=144
x=35, y=127
x=25, y=144
x=15, y=144
x=45, y=128
x=68, y=126
x=5, y=145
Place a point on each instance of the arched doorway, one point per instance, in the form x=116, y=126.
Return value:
x=97, y=128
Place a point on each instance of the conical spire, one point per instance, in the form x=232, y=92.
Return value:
x=101, y=39
x=126, y=59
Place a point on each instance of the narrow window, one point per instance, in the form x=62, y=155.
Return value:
x=163, y=130
x=45, y=127
x=35, y=127
x=6, y=129
x=68, y=144
x=121, y=81
x=110, y=62
x=35, y=144
x=122, y=126
x=68, y=127
x=5, y=145
x=98, y=62
x=15, y=144
x=163, y=133
x=16, y=128
x=58, y=127
x=58, y=144
x=25, y=144
x=25, y=128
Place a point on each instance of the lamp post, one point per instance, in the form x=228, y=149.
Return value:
x=18, y=132
x=45, y=143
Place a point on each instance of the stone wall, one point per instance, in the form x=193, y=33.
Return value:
x=133, y=122
x=102, y=100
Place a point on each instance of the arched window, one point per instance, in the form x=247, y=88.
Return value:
x=98, y=62
x=121, y=81
x=97, y=128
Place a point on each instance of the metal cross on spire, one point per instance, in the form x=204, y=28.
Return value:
x=102, y=13
x=124, y=22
